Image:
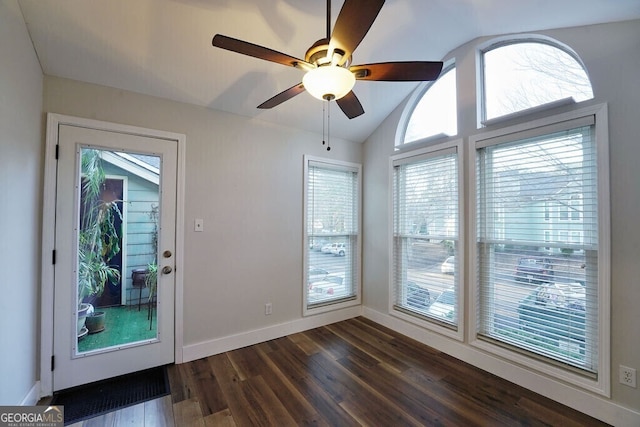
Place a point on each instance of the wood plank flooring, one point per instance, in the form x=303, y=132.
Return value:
x=350, y=373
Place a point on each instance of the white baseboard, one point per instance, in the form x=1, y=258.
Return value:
x=232, y=342
x=32, y=397
x=592, y=405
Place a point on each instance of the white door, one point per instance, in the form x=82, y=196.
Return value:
x=110, y=236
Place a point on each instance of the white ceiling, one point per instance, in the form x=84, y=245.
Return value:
x=163, y=47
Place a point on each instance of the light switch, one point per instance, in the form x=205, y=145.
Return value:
x=198, y=224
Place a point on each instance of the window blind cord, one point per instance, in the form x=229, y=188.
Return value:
x=328, y=125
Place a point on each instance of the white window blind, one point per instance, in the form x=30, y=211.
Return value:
x=537, y=243
x=332, y=228
x=425, y=232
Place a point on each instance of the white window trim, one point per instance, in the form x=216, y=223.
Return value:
x=572, y=204
x=548, y=238
x=309, y=311
x=602, y=384
x=458, y=334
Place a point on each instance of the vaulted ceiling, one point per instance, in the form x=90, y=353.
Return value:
x=163, y=47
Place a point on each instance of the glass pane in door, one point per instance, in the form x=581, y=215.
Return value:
x=117, y=246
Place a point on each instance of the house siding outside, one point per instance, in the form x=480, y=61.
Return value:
x=141, y=198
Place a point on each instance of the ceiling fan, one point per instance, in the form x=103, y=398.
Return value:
x=329, y=73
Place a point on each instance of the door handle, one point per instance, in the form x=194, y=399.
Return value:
x=166, y=269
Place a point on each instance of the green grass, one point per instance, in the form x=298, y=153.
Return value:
x=123, y=324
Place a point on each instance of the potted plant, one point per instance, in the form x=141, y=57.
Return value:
x=151, y=280
x=98, y=240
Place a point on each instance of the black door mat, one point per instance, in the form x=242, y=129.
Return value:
x=91, y=400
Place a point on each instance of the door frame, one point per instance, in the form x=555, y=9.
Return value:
x=54, y=121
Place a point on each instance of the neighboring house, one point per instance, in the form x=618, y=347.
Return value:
x=554, y=217
x=139, y=177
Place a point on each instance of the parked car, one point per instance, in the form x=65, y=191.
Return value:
x=535, y=270
x=322, y=287
x=317, y=244
x=448, y=266
x=417, y=296
x=316, y=274
x=556, y=312
x=445, y=305
x=337, y=278
x=338, y=249
x=329, y=287
x=326, y=248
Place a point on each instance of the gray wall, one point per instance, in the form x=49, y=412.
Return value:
x=611, y=53
x=21, y=127
x=244, y=178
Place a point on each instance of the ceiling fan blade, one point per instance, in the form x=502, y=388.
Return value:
x=260, y=52
x=409, y=71
x=352, y=24
x=282, y=96
x=350, y=105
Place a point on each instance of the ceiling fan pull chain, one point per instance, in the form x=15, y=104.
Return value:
x=328, y=124
x=323, y=124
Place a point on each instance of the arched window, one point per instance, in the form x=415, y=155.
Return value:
x=519, y=75
x=435, y=111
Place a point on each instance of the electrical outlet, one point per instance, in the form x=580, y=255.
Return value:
x=268, y=309
x=628, y=376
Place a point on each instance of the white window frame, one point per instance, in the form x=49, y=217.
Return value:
x=575, y=237
x=548, y=238
x=357, y=286
x=602, y=383
x=424, y=322
x=575, y=214
x=547, y=211
x=568, y=213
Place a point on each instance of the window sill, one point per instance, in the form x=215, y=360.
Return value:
x=424, y=142
x=433, y=326
x=599, y=385
x=331, y=306
x=528, y=112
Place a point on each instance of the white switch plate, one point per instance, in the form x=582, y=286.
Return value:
x=198, y=224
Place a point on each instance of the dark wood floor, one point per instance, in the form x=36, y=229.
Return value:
x=346, y=374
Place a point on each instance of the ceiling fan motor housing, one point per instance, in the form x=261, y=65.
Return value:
x=317, y=54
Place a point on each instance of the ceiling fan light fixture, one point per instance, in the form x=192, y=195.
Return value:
x=328, y=82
